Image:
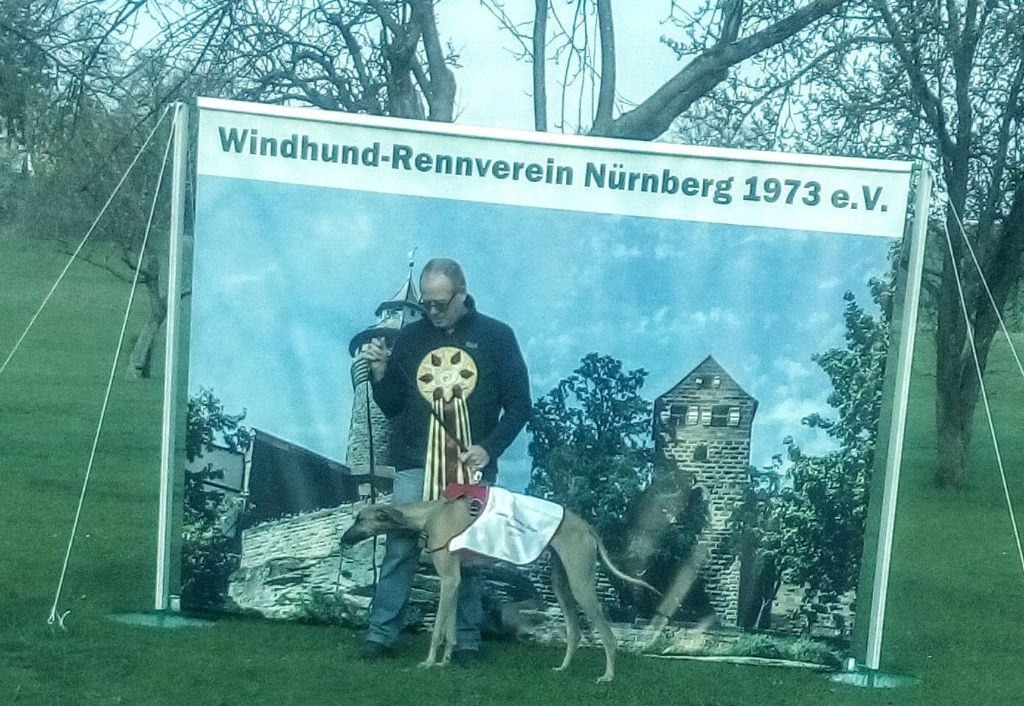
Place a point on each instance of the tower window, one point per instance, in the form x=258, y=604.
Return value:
x=692, y=415
x=700, y=452
x=678, y=418
x=734, y=416
x=705, y=416
x=720, y=415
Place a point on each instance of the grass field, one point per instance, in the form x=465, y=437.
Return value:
x=955, y=611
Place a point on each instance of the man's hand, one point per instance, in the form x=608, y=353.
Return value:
x=475, y=458
x=377, y=354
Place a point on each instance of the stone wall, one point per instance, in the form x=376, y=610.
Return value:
x=293, y=569
x=289, y=568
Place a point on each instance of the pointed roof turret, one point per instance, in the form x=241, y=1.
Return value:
x=403, y=298
x=392, y=314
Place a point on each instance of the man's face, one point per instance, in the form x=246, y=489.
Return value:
x=442, y=304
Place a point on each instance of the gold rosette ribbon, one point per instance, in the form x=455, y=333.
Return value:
x=446, y=377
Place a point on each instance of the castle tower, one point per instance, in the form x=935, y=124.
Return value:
x=401, y=309
x=702, y=429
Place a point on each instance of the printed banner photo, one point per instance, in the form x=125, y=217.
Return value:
x=706, y=334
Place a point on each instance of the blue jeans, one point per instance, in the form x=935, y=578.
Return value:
x=401, y=555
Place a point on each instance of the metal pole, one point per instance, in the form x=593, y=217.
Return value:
x=163, y=542
x=908, y=329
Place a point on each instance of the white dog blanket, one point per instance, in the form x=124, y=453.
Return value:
x=512, y=527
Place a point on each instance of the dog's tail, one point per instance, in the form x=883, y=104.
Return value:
x=615, y=570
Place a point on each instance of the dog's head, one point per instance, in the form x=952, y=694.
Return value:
x=374, y=520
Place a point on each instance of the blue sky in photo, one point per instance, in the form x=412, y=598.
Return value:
x=285, y=275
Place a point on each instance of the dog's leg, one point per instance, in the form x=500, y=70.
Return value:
x=449, y=572
x=567, y=603
x=579, y=570
x=453, y=577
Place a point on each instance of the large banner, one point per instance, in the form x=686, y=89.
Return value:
x=706, y=332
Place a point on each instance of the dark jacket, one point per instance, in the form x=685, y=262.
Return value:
x=498, y=407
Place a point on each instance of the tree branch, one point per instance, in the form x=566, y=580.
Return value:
x=1013, y=113
x=540, y=93
x=655, y=115
x=441, y=94
x=606, y=94
x=930, y=103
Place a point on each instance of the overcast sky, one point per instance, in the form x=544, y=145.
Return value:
x=286, y=275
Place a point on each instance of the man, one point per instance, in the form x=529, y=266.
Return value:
x=467, y=367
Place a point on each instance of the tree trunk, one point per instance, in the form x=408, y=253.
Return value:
x=954, y=436
x=952, y=352
x=141, y=358
x=540, y=93
x=957, y=385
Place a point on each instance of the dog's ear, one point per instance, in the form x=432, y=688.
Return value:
x=389, y=514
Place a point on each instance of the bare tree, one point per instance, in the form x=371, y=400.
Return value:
x=717, y=38
x=80, y=96
x=383, y=57
x=975, y=129
x=942, y=82
x=850, y=77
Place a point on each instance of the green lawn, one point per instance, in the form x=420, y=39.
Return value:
x=954, y=617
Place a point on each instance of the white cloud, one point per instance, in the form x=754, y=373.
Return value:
x=556, y=345
x=716, y=316
x=541, y=384
x=771, y=237
x=358, y=232
x=620, y=251
x=791, y=410
x=793, y=369
x=834, y=336
x=239, y=279
x=816, y=320
x=769, y=320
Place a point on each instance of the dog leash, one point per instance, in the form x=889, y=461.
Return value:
x=363, y=375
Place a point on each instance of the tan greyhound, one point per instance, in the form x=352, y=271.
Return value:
x=575, y=545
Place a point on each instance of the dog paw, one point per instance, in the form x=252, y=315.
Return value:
x=426, y=665
x=605, y=678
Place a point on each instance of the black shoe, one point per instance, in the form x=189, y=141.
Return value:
x=467, y=659
x=375, y=651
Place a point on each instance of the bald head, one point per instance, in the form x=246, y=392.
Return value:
x=443, y=292
x=448, y=268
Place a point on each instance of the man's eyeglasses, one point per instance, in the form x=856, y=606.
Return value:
x=438, y=304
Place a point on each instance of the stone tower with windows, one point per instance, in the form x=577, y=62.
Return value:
x=702, y=430
x=400, y=310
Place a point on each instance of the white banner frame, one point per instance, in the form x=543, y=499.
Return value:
x=259, y=114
